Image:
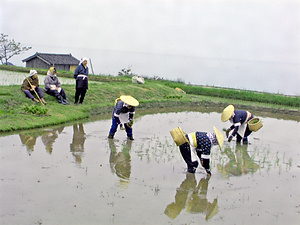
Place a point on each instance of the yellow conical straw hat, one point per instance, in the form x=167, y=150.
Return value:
x=129, y=100
x=220, y=137
x=227, y=113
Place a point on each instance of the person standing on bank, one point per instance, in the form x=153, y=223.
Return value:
x=81, y=75
x=239, y=120
x=52, y=86
x=123, y=113
x=30, y=87
x=200, y=144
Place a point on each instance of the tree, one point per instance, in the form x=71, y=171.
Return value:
x=9, y=48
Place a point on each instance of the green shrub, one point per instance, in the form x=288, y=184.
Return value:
x=35, y=109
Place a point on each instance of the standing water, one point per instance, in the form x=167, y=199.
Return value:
x=74, y=175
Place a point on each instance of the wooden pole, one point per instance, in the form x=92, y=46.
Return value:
x=92, y=66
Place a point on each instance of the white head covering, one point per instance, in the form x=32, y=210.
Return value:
x=32, y=72
x=82, y=60
x=52, y=71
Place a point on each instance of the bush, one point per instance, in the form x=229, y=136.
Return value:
x=35, y=109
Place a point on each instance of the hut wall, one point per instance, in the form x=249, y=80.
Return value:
x=37, y=63
x=62, y=67
x=72, y=68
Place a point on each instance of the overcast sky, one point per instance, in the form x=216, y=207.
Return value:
x=209, y=28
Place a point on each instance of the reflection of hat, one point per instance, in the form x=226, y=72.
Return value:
x=220, y=137
x=212, y=209
x=129, y=100
x=32, y=72
x=173, y=210
x=227, y=113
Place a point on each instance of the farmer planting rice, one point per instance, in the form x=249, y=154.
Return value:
x=123, y=113
x=239, y=119
x=197, y=143
x=243, y=123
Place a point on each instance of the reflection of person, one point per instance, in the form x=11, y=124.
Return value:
x=30, y=87
x=81, y=75
x=239, y=162
x=120, y=162
x=29, y=141
x=201, y=144
x=123, y=113
x=53, y=87
x=49, y=138
x=239, y=119
x=77, y=145
x=193, y=197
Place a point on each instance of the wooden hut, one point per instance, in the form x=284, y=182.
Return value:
x=45, y=60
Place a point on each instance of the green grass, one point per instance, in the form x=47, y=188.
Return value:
x=18, y=112
x=245, y=95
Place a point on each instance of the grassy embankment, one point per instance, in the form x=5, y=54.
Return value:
x=101, y=95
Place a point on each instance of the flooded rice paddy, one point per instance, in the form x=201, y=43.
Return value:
x=73, y=174
x=12, y=78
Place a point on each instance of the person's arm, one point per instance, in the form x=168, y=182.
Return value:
x=37, y=82
x=76, y=72
x=47, y=83
x=25, y=85
x=57, y=83
x=131, y=113
x=117, y=111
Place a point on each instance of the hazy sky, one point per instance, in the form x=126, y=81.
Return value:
x=209, y=28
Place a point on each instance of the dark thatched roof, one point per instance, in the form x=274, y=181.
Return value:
x=54, y=59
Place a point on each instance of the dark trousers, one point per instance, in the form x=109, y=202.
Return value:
x=185, y=151
x=247, y=133
x=80, y=92
x=56, y=94
x=114, y=127
x=29, y=94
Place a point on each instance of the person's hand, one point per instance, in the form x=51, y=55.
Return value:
x=230, y=138
x=208, y=172
x=130, y=123
x=32, y=87
x=227, y=132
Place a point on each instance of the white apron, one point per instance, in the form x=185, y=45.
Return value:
x=243, y=126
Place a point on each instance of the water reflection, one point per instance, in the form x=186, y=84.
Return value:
x=120, y=162
x=193, y=198
x=49, y=138
x=240, y=162
x=77, y=145
x=29, y=141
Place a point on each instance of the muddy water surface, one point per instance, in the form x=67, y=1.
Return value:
x=74, y=175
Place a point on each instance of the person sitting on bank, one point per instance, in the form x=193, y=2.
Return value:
x=239, y=120
x=30, y=87
x=123, y=113
x=81, y=75
x=53, y=86
x=200, y=144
